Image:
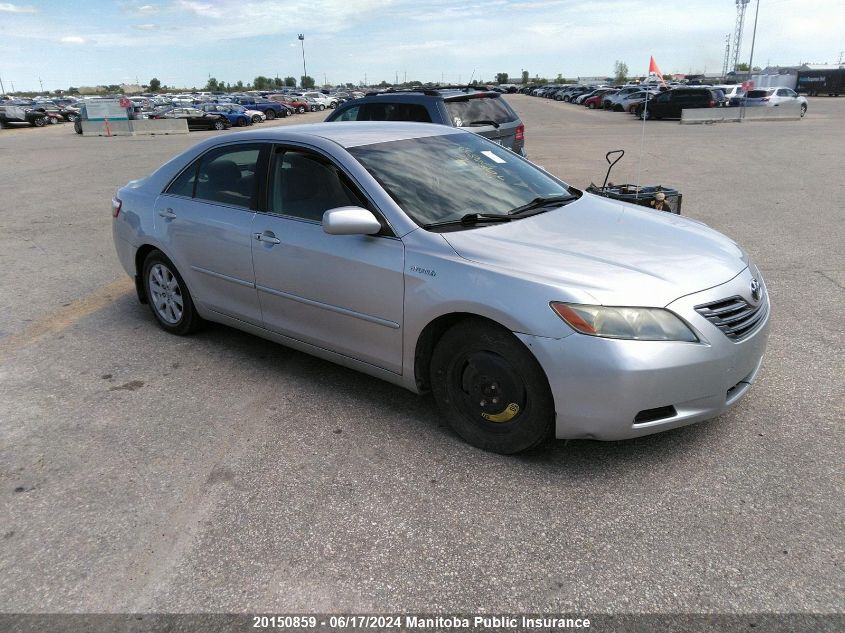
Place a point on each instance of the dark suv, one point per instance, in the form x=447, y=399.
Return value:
x=485, y=113
x=668, y=105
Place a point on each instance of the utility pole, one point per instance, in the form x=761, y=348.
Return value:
x=302, y=41
x=42, y=84
x=753, y=39
x=2, y=89
x=751, y=57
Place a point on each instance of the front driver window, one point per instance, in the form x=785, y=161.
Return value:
x=305, y=185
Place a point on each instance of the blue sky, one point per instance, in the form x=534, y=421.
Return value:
x=182, y=42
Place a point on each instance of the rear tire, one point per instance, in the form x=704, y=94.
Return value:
x=168, y=296
x=301, y=109
x=803, y=109
x=219, y=125
x=591, y=105
x=491, y=389
x=39, y=121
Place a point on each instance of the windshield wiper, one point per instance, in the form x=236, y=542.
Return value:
x=541, y=202
x=484, y=122
x=472, y=218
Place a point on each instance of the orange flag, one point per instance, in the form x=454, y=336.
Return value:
x=653, y=68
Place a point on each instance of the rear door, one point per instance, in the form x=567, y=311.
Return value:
x=204, y=220
x=487, y=115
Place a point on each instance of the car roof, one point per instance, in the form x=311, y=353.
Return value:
x=350, y=134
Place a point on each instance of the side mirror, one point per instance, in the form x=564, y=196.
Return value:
x=350, y=221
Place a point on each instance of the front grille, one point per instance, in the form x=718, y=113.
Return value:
x=735, y=316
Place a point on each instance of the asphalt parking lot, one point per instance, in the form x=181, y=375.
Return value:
x=220, y=472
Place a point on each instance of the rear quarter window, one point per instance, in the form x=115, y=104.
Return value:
x=464, y=112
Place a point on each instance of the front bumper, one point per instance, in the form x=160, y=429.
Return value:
x=601, y=386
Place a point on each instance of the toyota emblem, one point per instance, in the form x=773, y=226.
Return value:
x=755, y=290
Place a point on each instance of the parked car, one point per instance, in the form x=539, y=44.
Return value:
x=235, y=114
x=669, y=104
x=482, y=112
x=595, y=101
x=196, y=118
x=569, y=95
x=609, y=101
x=437, y=260
x=11, y=112
x=296, y=103
x=271, y=109
x=629, y=102
x=773, y=97
x=733, y=91
x=311, y=104
x=579, y=100
x=326, y=101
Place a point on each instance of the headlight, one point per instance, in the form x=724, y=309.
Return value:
x=639, y=324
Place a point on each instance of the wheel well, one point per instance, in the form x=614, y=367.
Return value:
x=428, y=339
x=140, y=256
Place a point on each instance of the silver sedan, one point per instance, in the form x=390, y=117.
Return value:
x=439, y=261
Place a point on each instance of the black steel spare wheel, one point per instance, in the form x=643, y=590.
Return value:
x=491, y=389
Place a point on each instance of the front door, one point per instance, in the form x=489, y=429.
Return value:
x=339, y=292
x=204, y=221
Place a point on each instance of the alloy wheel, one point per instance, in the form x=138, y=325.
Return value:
x=166, y=294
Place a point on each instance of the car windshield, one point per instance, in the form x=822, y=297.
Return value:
x=440, y=179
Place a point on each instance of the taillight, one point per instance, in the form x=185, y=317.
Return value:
x=712, y=103
x=520, y=133
x=116, y=204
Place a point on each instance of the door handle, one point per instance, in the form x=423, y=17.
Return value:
x=267, y=237
x=167, y=213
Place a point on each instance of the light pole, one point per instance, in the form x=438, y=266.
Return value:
x=304, y=71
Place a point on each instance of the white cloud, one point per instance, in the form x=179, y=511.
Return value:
x=73, y=39
x=204, y=9
x=145, y=27
x=8, y=7
x=147, y=9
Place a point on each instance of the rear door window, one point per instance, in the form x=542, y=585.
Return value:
x=387, y=111
x=479, y=111
x=228, y=175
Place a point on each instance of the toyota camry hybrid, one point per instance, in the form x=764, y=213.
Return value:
x=440, y=261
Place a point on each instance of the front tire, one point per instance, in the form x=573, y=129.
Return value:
x=491, y=389
x=40, y=121
x=256, y=119
x=168, y=296
x=219, y=125
x=803, y=109
x=270, y=114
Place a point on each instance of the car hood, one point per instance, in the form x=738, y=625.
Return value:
x=610, y=252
